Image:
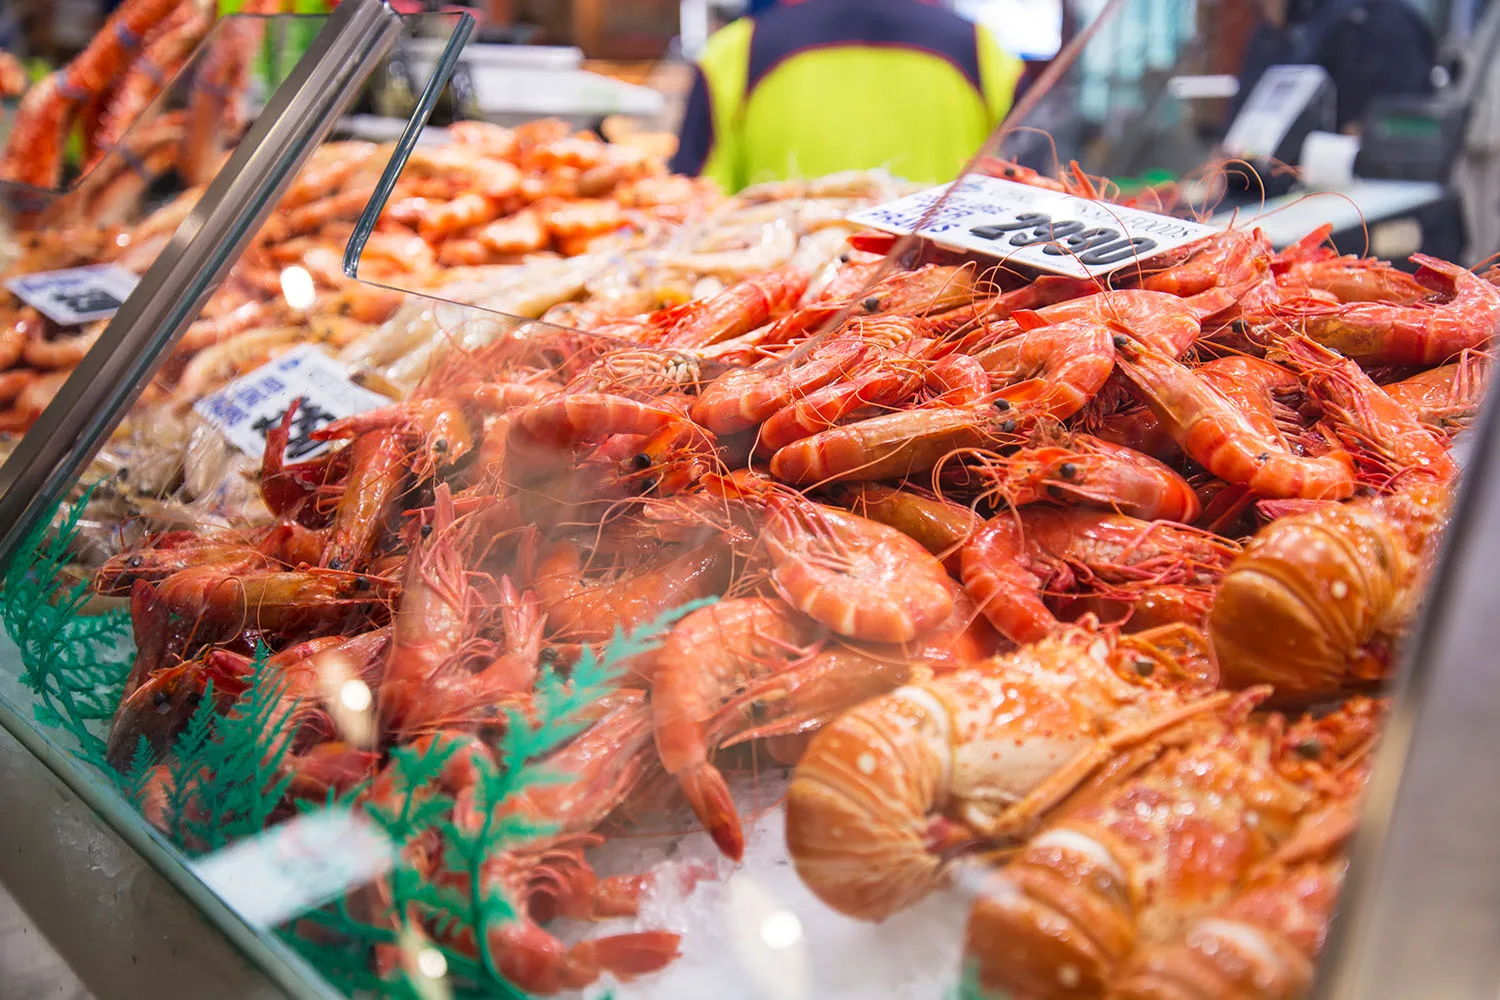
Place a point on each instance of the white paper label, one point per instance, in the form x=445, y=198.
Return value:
x=77, y=294
x=1271, y=110
x=249, y=408
x=1040, y=228
x=299, y=865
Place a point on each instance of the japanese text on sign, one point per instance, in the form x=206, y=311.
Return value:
x=250, y=408
x=77, y=294
x=1045, y=229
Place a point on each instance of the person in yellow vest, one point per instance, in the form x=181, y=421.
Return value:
x=811, y=87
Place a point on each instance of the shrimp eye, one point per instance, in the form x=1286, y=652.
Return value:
x=135, y=562
x=872, y=303
x=426, y=530
x=642, y=462
x=1145, y=667
x=440, y=445
x=844, y=258
x=1002, y=405
x=361, y=583
x=1120, y=340
x=1056, y=492
x=650, y=484
x=1008, y=427
x=161, y=701
x=1311, y=748
x=123, y=474
x=1067, y=470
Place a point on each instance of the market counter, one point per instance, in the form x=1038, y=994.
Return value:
x=1402, y=218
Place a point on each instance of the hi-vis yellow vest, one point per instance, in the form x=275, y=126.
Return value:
x=829, y=85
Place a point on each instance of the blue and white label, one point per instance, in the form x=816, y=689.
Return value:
x=75, y=295
x=249, y=408
x=1040, y=228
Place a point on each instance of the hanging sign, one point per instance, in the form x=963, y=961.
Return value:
x=249, y=408
x=77, y=294
x=1040, y=228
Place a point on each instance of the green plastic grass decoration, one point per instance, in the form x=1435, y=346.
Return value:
x=226, y=771
x=557, y=717
x=75, y=664
x=968, y=987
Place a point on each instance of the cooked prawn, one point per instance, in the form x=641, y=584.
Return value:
x=1217, y=434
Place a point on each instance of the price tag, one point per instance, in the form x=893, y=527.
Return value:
x=76, y=295
x=297, y=866
x=249, y=408
x=1048, y=230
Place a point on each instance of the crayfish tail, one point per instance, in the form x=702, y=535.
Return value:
x=1060, y=906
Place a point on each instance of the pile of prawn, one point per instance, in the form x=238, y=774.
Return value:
x=169, y=467
x=102, y=98
x=1016, y=573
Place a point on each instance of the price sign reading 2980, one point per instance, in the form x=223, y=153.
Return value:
x=1032, y=226
x=1094, y=246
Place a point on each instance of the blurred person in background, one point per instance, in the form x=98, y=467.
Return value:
x=803, y=88
x=1370, y=48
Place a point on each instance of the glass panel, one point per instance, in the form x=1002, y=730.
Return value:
x=241, y=327
x=595, y=580
x=84, y=149
x=173, y=115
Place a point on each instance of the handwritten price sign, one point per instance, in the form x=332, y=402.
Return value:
x=249, y=408
x=77, y=294
x=1046, y=230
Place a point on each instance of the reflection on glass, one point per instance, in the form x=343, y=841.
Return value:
x=355, y=695
x=781, y=929
x=665, y=519
x=297, y=287
x=431, y=963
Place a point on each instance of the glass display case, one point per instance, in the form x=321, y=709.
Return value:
x=488, y=565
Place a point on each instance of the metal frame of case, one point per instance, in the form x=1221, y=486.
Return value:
x=1420, y=915
x=107, y=908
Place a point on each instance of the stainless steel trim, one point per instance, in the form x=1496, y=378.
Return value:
x=123, y=929
x=441, y=71
x=113, y=374
x=1420, y=914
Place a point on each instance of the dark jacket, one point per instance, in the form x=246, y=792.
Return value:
x=1370, y=48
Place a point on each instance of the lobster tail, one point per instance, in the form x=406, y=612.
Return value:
x=1300, y=607
x=857, y=821
x=1261, y=944
x=1055, y=922
x=1220, y=958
